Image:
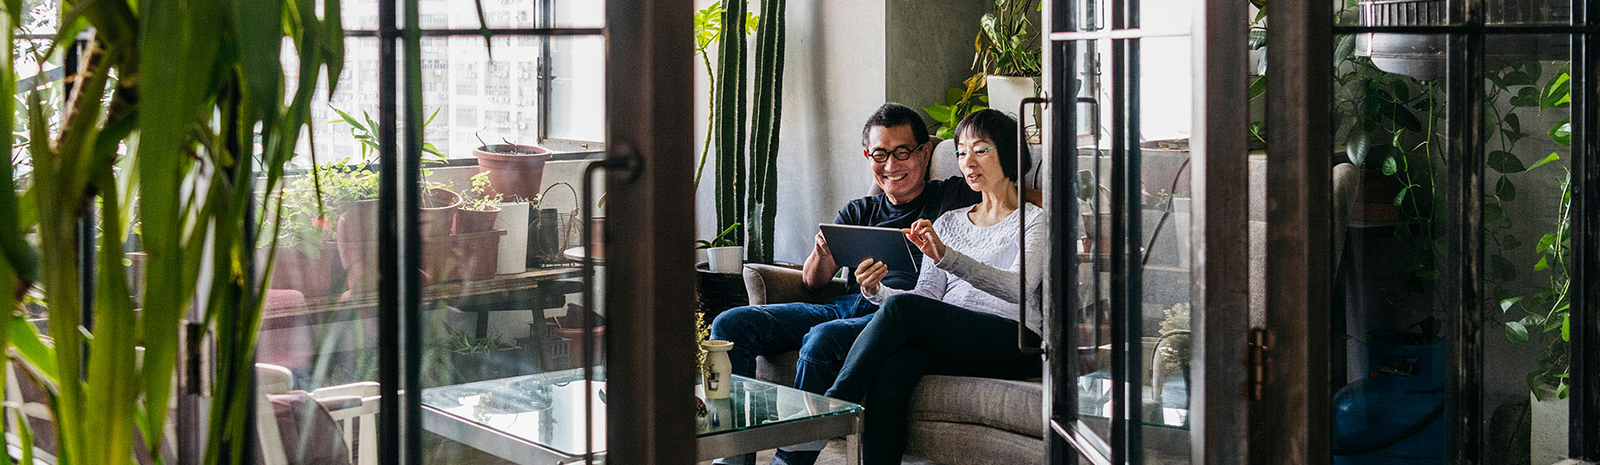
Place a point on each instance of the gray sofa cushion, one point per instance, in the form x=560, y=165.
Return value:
x=967, y=444
x=1013, y=406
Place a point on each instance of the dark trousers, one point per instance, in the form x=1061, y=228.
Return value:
x=912, y=336
x=822, y=333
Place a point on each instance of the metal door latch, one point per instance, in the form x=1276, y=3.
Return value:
x=1258, y=361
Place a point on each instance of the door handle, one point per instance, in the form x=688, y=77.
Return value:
x=623, y=158
x=1022, y=231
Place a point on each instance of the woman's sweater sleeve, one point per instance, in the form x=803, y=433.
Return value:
x=931, y=283
x=1002, y=283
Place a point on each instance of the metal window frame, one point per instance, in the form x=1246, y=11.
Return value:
x=1220, y=58
x=399, y=235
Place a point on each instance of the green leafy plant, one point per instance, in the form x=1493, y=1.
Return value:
x=204, y=87
x=479, y=198
x=723, y=239
x=1005, y=45
x=363, y=133
x=707, y=35
x=1542, y=318
x=959, y=101
x=1175, y=325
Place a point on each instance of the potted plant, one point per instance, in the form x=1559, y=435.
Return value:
x=514, y=169
x=304, y=260
x=721, y=279
x=723, y=255
x=747, y=181
x=1172, y=351
x=1008, y=56
x=513, y=219
x=480, y=358
x=479, y=208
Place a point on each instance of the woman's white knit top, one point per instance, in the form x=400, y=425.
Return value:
x=979, y=269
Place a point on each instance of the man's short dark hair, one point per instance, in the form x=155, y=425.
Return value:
x=1001, y=129
x=893, y=114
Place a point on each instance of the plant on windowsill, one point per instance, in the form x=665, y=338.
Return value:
x=514, y=169
x=479, y=207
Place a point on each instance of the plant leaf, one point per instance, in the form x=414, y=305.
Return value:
x=1356, y=145
x=1505, y=190
x=1506, y=304
x=1505, y=162
x=1516, y=331
x=1389, y=166
x=1401, y=197
x=1553, y=157
x=1562, y=132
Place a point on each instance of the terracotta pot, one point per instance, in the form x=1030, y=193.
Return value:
x=513, y=169
x=313, y=277
x=474, y=221
x=358, y=221
x=438, y=213
x=440, y=259
x=478, y=254
x=574, y=338
x=360, y=260
x=1375, y=198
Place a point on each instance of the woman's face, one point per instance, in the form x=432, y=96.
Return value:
x=980, y=163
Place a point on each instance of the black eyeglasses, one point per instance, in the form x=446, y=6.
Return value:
x=899, y=153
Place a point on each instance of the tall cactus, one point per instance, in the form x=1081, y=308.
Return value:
x=729, y=121
x=764, y=124
x=753, y=203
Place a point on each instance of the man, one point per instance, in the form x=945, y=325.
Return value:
x=897, y=149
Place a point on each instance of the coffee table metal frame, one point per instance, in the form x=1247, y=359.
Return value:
x=723, y=444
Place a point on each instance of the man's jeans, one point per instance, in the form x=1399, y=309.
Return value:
x=822, y=333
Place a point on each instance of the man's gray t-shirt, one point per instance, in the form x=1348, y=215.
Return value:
x=937, y=197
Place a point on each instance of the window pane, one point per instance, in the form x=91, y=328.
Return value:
x=1527, y=222
x=580, y=13
x=577, y=88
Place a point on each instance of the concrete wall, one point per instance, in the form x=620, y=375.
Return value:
x=844, y=59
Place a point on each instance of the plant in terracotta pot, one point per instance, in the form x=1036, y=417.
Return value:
x=479, y=207
x=304, y=260
x=514, y=169
x=353, y=193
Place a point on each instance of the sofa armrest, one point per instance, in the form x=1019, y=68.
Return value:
x=768, y=284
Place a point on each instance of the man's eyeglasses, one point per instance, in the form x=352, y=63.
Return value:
x=899, y=153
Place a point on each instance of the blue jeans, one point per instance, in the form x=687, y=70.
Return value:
x=823, y=333
x=914, y=336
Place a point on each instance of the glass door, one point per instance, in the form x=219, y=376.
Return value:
x=1149, y=303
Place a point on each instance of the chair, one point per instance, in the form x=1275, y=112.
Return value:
x=352, y=407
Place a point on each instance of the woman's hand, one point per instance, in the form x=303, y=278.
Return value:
x=869, y=274
x=921, y=235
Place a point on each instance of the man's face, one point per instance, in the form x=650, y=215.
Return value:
x=902, y=180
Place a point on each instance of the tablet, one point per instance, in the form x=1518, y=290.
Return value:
x=851, y=244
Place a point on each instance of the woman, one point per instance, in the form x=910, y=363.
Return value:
x=961, y=319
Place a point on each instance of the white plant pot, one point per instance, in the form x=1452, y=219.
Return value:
x=1006, y=93
x=1549, y=436
x=726, y=259
x=514, y=245
x=719, y=379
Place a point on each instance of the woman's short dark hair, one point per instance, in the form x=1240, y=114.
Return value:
x=1001, y=129
x=893, y=114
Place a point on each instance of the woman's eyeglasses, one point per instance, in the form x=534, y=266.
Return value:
x=899, y=153
x=982, y=151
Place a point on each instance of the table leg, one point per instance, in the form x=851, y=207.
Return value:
x=852, y=444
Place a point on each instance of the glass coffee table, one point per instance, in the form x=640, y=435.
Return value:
x=538, y=419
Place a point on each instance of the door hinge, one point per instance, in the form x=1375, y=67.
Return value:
x=1258, y=360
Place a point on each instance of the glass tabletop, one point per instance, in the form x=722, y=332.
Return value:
x=547, y=408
